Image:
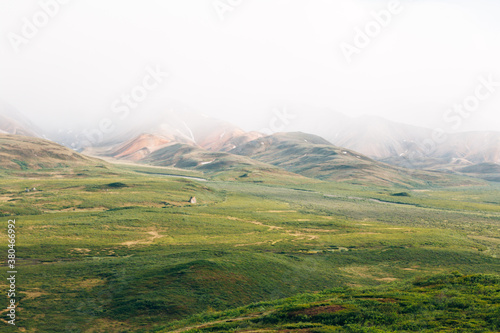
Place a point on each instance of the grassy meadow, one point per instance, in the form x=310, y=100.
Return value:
x=119, y=248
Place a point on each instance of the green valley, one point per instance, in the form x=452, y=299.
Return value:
x=119, y=248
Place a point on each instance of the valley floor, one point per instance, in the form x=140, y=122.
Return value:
x=115, y=249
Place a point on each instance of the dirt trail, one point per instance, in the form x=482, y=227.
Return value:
x=155, y=235
x=271, y=227
x=294, y=233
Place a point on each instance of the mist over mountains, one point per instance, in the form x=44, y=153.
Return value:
x=13, y=122
x=374, y=138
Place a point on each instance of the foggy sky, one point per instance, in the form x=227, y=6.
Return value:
x=240, y=60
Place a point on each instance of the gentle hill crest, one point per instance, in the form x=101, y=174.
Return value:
x=315, y=157
x=214, y=163
x=21, y=152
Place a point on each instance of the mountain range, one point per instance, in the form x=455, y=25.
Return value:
x=369, y=148
x=405, y=145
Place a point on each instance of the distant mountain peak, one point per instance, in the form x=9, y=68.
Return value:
x=14, y=122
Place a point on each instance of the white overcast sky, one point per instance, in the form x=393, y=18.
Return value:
x=264, y=54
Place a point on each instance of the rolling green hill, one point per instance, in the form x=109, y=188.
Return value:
x=23, y=153
x=314, y=157
x=218, y=164
x=441, y=303
x=487, y=171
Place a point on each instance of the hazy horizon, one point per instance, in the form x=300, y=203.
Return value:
x=243, y=62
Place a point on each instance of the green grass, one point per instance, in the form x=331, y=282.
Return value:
x=23, y=165
x=443, y=303
x=120, y=248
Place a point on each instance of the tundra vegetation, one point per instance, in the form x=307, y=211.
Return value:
x=119, y=248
